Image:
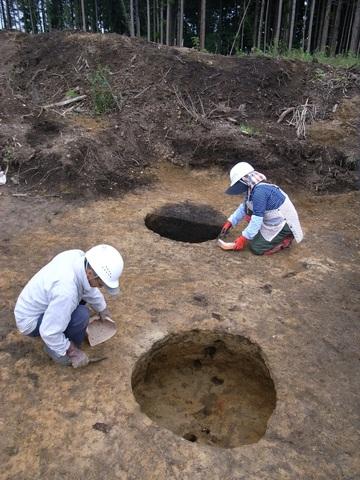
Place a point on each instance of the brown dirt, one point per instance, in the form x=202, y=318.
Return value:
x=76, y=153
x=301, y=306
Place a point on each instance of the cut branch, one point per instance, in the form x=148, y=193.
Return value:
x=65, y=102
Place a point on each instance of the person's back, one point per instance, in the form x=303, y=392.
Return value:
x=59, y=274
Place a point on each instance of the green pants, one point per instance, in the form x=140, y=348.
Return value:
x=259, y=245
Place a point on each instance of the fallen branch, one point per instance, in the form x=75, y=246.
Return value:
x=285, y=112
x=142, y=91
x=65, y=102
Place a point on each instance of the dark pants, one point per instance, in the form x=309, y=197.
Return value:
x=76, y=329
x=259, y=245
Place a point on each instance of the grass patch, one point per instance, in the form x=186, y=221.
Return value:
x=341, y=61
x=102, y=97
x=247, y=129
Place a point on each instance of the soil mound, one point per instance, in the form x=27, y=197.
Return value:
x=87, y=114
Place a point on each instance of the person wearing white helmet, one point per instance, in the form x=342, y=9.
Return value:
x=272, y=219
x=52, y=303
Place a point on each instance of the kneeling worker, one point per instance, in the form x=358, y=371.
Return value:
x=52, y=304
x=273, y=223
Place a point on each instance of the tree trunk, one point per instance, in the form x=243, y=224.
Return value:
x=335, y=32
x=4, y=19
x=255, y=25
x=325, y=29
x=148, y=19
x=137, y=19
x=83, y=15
x=311, y=21
x=181, y=24
x=168, y=18
x=161, y=22
x=8, y=14
x=126, y=16
x=96, y=16
x=266, y=24
x=304, y=27
x=202, y=24
x=344, y=27
x=131, y=16
x=355, y=30
x=154, y=20
x=347, y=44
x=292, y=23
x=31, y=15
x=278, y=25
x=261, y=21
x=320, y=23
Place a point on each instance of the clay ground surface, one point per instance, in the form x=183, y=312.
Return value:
x=300, y=306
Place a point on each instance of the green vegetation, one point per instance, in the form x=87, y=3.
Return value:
x=72, y=93
x=341, y=61
x=247, y=129
x=102, y=97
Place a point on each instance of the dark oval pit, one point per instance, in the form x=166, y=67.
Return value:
x=207, y=387
x=186, y=222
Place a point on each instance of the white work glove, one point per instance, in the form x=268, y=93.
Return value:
x=77, y=357
x=104, y=315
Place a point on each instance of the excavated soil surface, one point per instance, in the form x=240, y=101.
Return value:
x=209, y=388
x=300, y=307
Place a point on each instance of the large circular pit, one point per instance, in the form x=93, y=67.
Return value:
x=208, y=387
x=186, y=222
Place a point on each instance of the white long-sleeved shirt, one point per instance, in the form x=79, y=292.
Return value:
x=56, y=291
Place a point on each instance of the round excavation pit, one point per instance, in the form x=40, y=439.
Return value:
x=209, y=388
x=186, y=222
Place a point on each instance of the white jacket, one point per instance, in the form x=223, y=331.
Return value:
x=56, y=291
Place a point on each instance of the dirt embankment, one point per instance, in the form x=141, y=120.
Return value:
x=169, y=104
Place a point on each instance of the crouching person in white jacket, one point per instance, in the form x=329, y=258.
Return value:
x=52, y=304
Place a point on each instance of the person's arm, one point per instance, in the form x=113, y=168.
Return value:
x=56, y=319
x=253, y=228
x=238, y=215
x=95, y=299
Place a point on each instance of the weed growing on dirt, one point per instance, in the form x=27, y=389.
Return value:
x=102, y=97
x=247, y=129
x=72, y=93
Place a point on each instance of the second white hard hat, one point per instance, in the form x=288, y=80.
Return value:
x=237, y=172
x=108, y=264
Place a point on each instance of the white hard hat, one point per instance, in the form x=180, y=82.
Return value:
x=237, y=172
x=108, y=264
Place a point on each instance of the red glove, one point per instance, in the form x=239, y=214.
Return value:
x=240, y=243
x=247, y=218
x=225, y=229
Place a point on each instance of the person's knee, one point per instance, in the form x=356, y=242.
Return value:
x=256, y=249
x=82, y=315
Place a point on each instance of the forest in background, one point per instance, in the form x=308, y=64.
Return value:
x=324, y=27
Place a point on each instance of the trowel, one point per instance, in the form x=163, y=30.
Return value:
x=97, y=359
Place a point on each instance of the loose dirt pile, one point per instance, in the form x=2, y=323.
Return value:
x=179, y=105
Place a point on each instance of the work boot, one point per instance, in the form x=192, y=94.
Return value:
x=285, y=243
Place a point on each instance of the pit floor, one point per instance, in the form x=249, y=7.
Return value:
x=300, y=306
